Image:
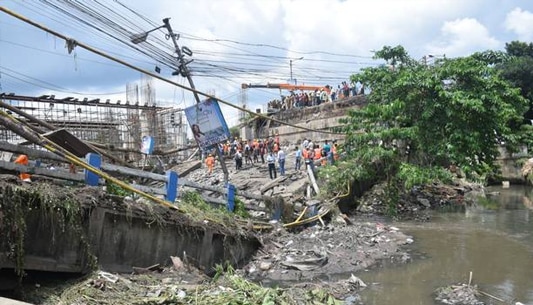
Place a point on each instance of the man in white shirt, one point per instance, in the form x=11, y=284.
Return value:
x=238, y=160
x=271, y=161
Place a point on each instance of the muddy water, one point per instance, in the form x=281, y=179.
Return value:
x=494, y=242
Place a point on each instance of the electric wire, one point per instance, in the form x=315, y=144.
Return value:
x=96, y=13
x=104, y=17
x=46, y=85
x=98, y=52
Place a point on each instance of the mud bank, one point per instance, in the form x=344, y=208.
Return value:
x=326, y=255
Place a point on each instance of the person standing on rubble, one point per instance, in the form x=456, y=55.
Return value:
x=281, y=161
x=271, y=165
x=210, y=162
x=238, y=160
x=298, y=155
x=310, y=159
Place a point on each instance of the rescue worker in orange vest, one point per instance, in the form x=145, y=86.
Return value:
x=318, y=152
x=334, y=151
x=23, y=160
x=305, y=156
x=210, y=162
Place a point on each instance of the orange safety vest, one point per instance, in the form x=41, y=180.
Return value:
x=334, y=151
x=305, y=154
x=23, y=160
x=210, y=161
x=318, y=153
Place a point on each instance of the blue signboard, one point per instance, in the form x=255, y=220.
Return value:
x=147, y=145
x=207, y=123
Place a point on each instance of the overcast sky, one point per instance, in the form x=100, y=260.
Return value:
x=235, y=42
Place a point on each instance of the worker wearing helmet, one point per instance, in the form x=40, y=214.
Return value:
x=210, y=162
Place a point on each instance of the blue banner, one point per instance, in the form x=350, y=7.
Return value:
x=207, y=123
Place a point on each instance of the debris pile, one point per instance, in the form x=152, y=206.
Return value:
x=177, y=285
x=420, y=200
x=460, y=294
x=332, y=250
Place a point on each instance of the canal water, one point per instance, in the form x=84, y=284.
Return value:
x=494, y=241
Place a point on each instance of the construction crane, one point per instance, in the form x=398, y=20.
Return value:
x=289, y=87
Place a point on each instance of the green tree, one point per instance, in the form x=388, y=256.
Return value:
x=421, y=118
x=518, y=69
x=516, y=66
x=235, y=132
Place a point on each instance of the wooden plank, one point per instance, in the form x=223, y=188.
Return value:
x=69, y=142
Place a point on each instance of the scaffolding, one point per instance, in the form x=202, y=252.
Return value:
x=119, y=125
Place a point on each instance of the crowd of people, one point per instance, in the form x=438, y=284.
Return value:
x=301, y=98
x=270, y=152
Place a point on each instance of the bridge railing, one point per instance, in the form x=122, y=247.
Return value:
x=170, y=180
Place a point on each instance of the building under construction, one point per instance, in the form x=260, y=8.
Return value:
x=119, y=125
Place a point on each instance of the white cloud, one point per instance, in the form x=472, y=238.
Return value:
x=462, y=37
x=358, y=27
x=451, y=27
x=521, y=23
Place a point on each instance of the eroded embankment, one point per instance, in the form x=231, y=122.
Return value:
x=75, y=229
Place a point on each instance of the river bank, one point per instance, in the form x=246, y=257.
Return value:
x=305, y=259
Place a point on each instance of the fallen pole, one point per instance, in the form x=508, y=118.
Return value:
x=311, y=176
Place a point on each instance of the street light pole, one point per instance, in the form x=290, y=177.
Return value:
x=290, y=66
x=183, y=70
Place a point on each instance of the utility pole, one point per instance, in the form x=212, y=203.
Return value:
x=184, y=71
x=290, y=66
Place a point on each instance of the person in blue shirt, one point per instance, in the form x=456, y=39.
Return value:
x=298, y=156
x=327, y=152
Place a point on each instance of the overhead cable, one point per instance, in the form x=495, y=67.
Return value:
x=98, y=52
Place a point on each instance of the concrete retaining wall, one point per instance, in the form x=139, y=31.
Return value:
x=121, y=241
